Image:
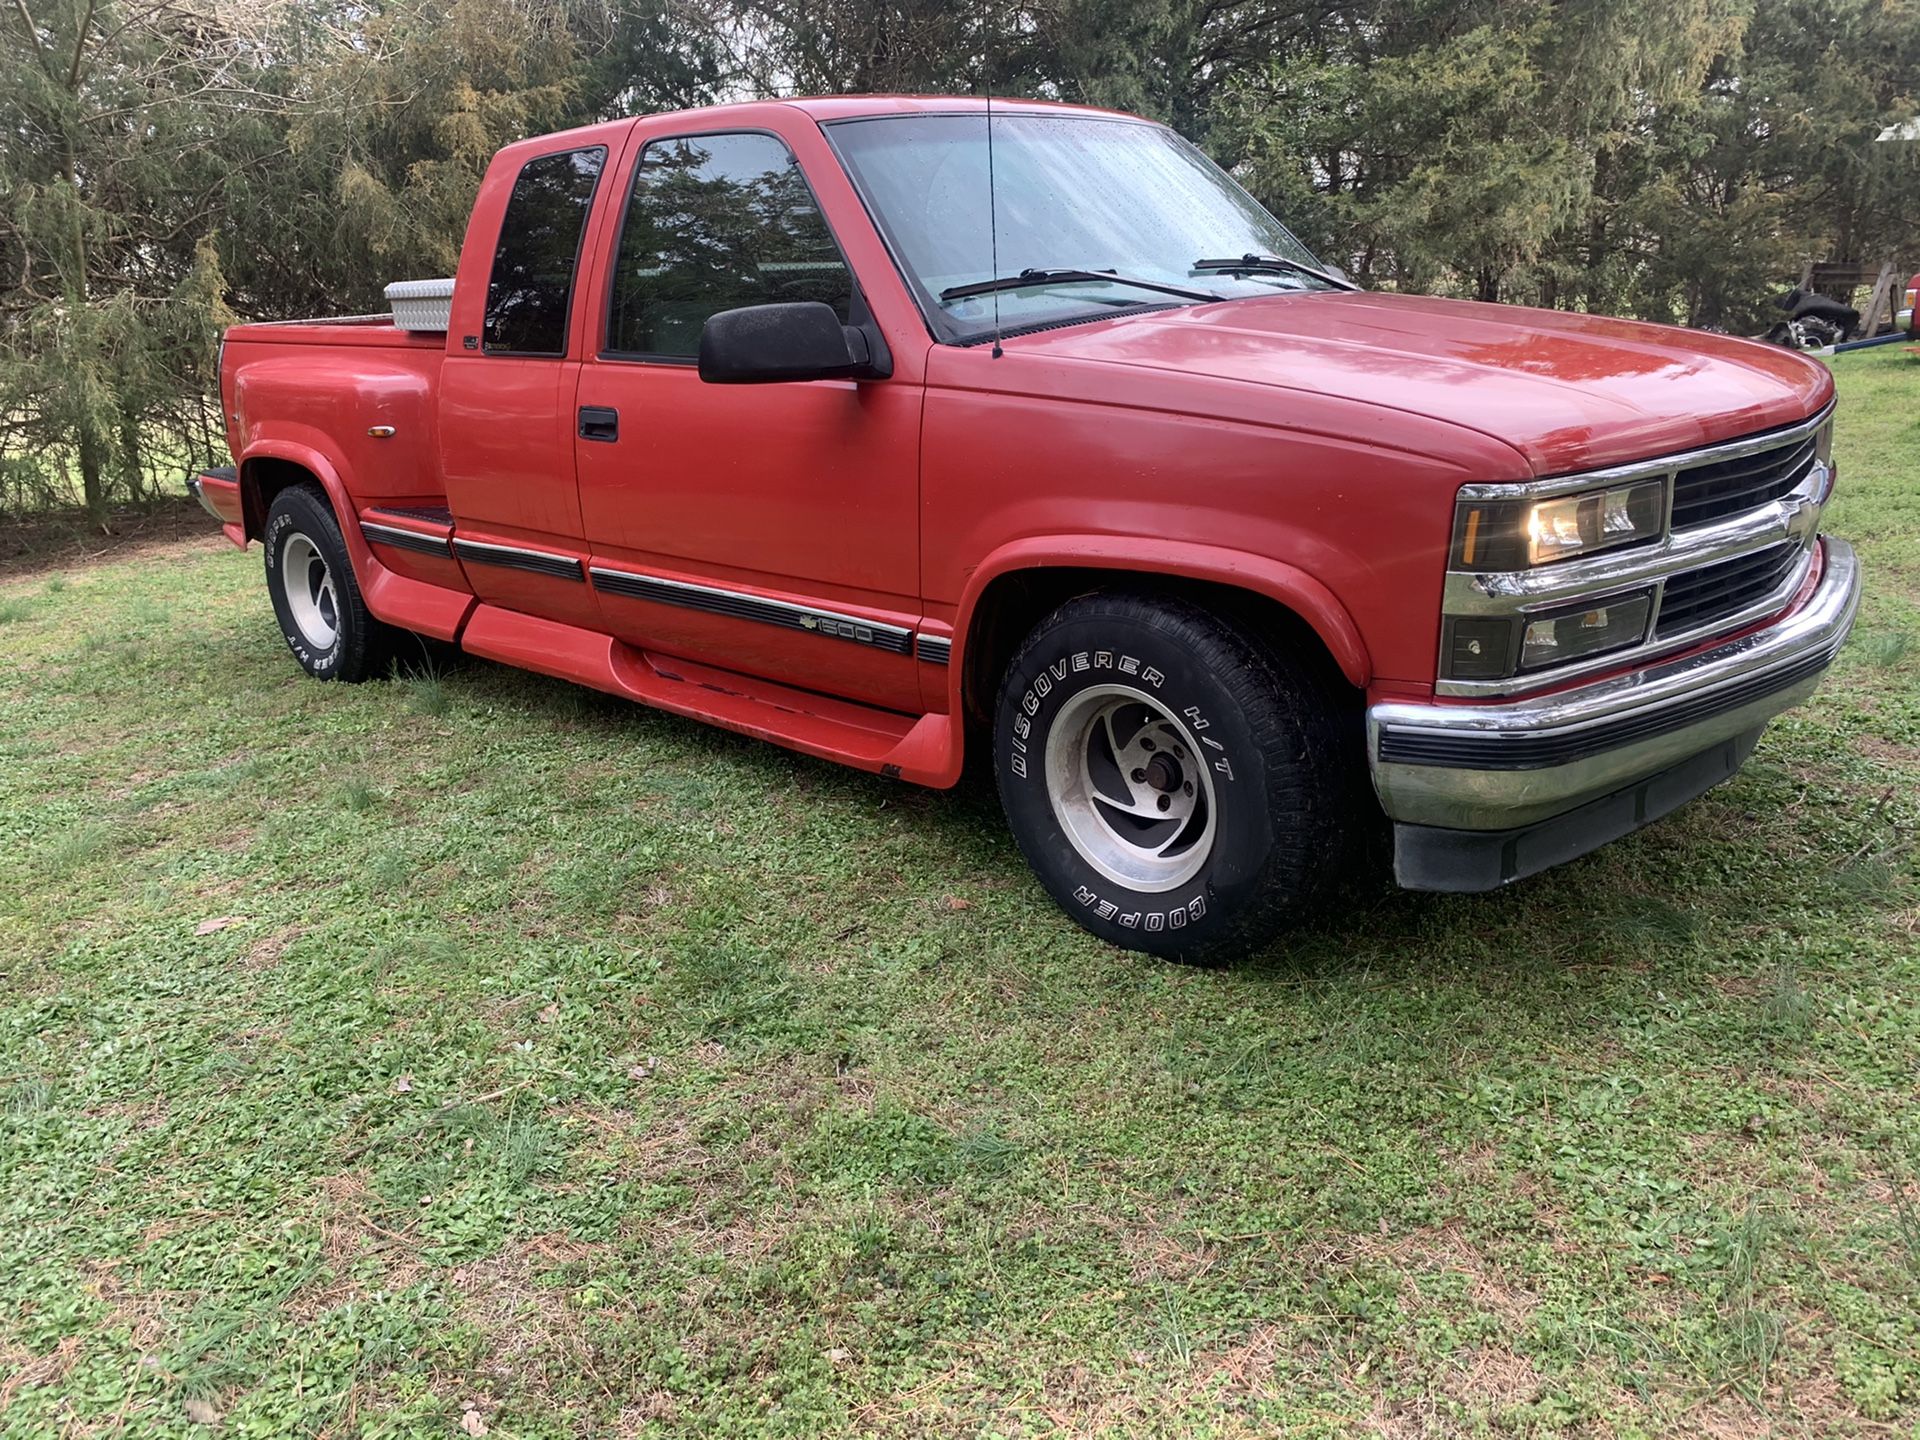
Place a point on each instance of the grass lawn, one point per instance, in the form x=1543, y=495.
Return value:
x=475, y=1052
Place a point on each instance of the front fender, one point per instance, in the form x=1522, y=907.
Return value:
x=1286, y=584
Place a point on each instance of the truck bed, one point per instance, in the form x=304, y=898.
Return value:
x=357, y=330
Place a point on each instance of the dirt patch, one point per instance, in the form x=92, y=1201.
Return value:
x=265, y=953
x=24, y=1370
x=357, y=1250
x=535, y=1340
x=1890, y=751
x=1439, y=1251
x=1487, y=1381
x=67, y=540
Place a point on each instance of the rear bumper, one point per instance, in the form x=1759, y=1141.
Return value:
x=1496, y=778
x=218, y=491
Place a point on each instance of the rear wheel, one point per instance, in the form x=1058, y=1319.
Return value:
x=1178, y=784
x=315, y=595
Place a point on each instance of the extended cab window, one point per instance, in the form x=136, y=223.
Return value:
x=532, y=283
x=717, y=222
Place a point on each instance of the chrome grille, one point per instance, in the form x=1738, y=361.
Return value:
x=1743, y=524
x=1707, y=493
x=1696, y=598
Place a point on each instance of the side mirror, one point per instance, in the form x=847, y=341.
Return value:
x=801, y=341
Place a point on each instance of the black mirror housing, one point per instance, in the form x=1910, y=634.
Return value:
x=759, y=344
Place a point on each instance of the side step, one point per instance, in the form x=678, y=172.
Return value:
x=925, y=750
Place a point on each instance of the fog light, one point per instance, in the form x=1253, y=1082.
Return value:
x=1574, y=634
x=1479, y=648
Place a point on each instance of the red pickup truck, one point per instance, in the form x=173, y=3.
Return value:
x=765, y=415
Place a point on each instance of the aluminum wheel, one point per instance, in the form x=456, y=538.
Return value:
x=1130, y=789
x=309, y=589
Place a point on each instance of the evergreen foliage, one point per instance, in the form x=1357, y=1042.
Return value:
x=169, y=165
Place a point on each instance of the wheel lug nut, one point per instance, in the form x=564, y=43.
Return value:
x=1146, y=744
x=1166, y=802
x=1139, y=775
x=1188, y=787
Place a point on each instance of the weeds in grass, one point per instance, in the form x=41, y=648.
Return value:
x=426, y=688
x=1884, y=648
x=79, y=847
x=389, y=869
x=356, y=795
x=1906, y=1218
x=987, y=1152
x=14, y=611
x=1635, y=921
x=28, y=1097
x=1788, y=1009
x=56, y=584
x=1870, y=878
x=1749, y=1335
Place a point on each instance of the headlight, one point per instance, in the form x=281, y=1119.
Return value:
x=1519, y=534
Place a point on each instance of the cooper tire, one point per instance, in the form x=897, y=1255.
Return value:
x=316, y=597
x=1178, y=784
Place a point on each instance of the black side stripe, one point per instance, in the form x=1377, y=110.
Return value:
x=512, y=557
x=934, y=649
x=896, y=639
x=426, y=514
x=406, y=539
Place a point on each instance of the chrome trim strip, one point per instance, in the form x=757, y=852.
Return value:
x=934, y=649
x=740, y=605
x=513, y=557
x=1648, y=469
x=407, y=539
x=1614, y=731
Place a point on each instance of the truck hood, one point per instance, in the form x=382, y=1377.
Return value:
x=1568, y=391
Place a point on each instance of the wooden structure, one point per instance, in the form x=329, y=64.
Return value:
x=1842, y=279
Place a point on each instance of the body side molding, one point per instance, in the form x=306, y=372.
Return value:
x=517, y=557
x=634, y=585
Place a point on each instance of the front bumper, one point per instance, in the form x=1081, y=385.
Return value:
x=1491, y=775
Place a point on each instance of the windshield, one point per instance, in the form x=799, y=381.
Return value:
x=1073, y=192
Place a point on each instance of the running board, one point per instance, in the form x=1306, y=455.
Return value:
x=925, y=750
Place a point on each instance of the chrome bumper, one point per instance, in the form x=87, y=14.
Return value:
x=1498, y=767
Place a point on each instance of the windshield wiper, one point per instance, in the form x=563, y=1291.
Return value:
x=1270, y=263
x=1028, y=278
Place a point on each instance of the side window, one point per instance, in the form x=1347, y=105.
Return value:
x=716, y=222
x=532, y=282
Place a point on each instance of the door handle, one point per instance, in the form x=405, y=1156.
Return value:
x=599, y=422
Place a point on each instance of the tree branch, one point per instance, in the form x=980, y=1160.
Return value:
x=80, y=47
x=33, y=34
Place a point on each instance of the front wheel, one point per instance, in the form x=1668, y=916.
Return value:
x=1179, y=785
x=315, y=595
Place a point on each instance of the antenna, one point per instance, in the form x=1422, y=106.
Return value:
x=993, y=214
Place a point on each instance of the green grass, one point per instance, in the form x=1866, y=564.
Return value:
x=370, y=1056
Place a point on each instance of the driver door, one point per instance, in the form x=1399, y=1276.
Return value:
x=770, y=529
